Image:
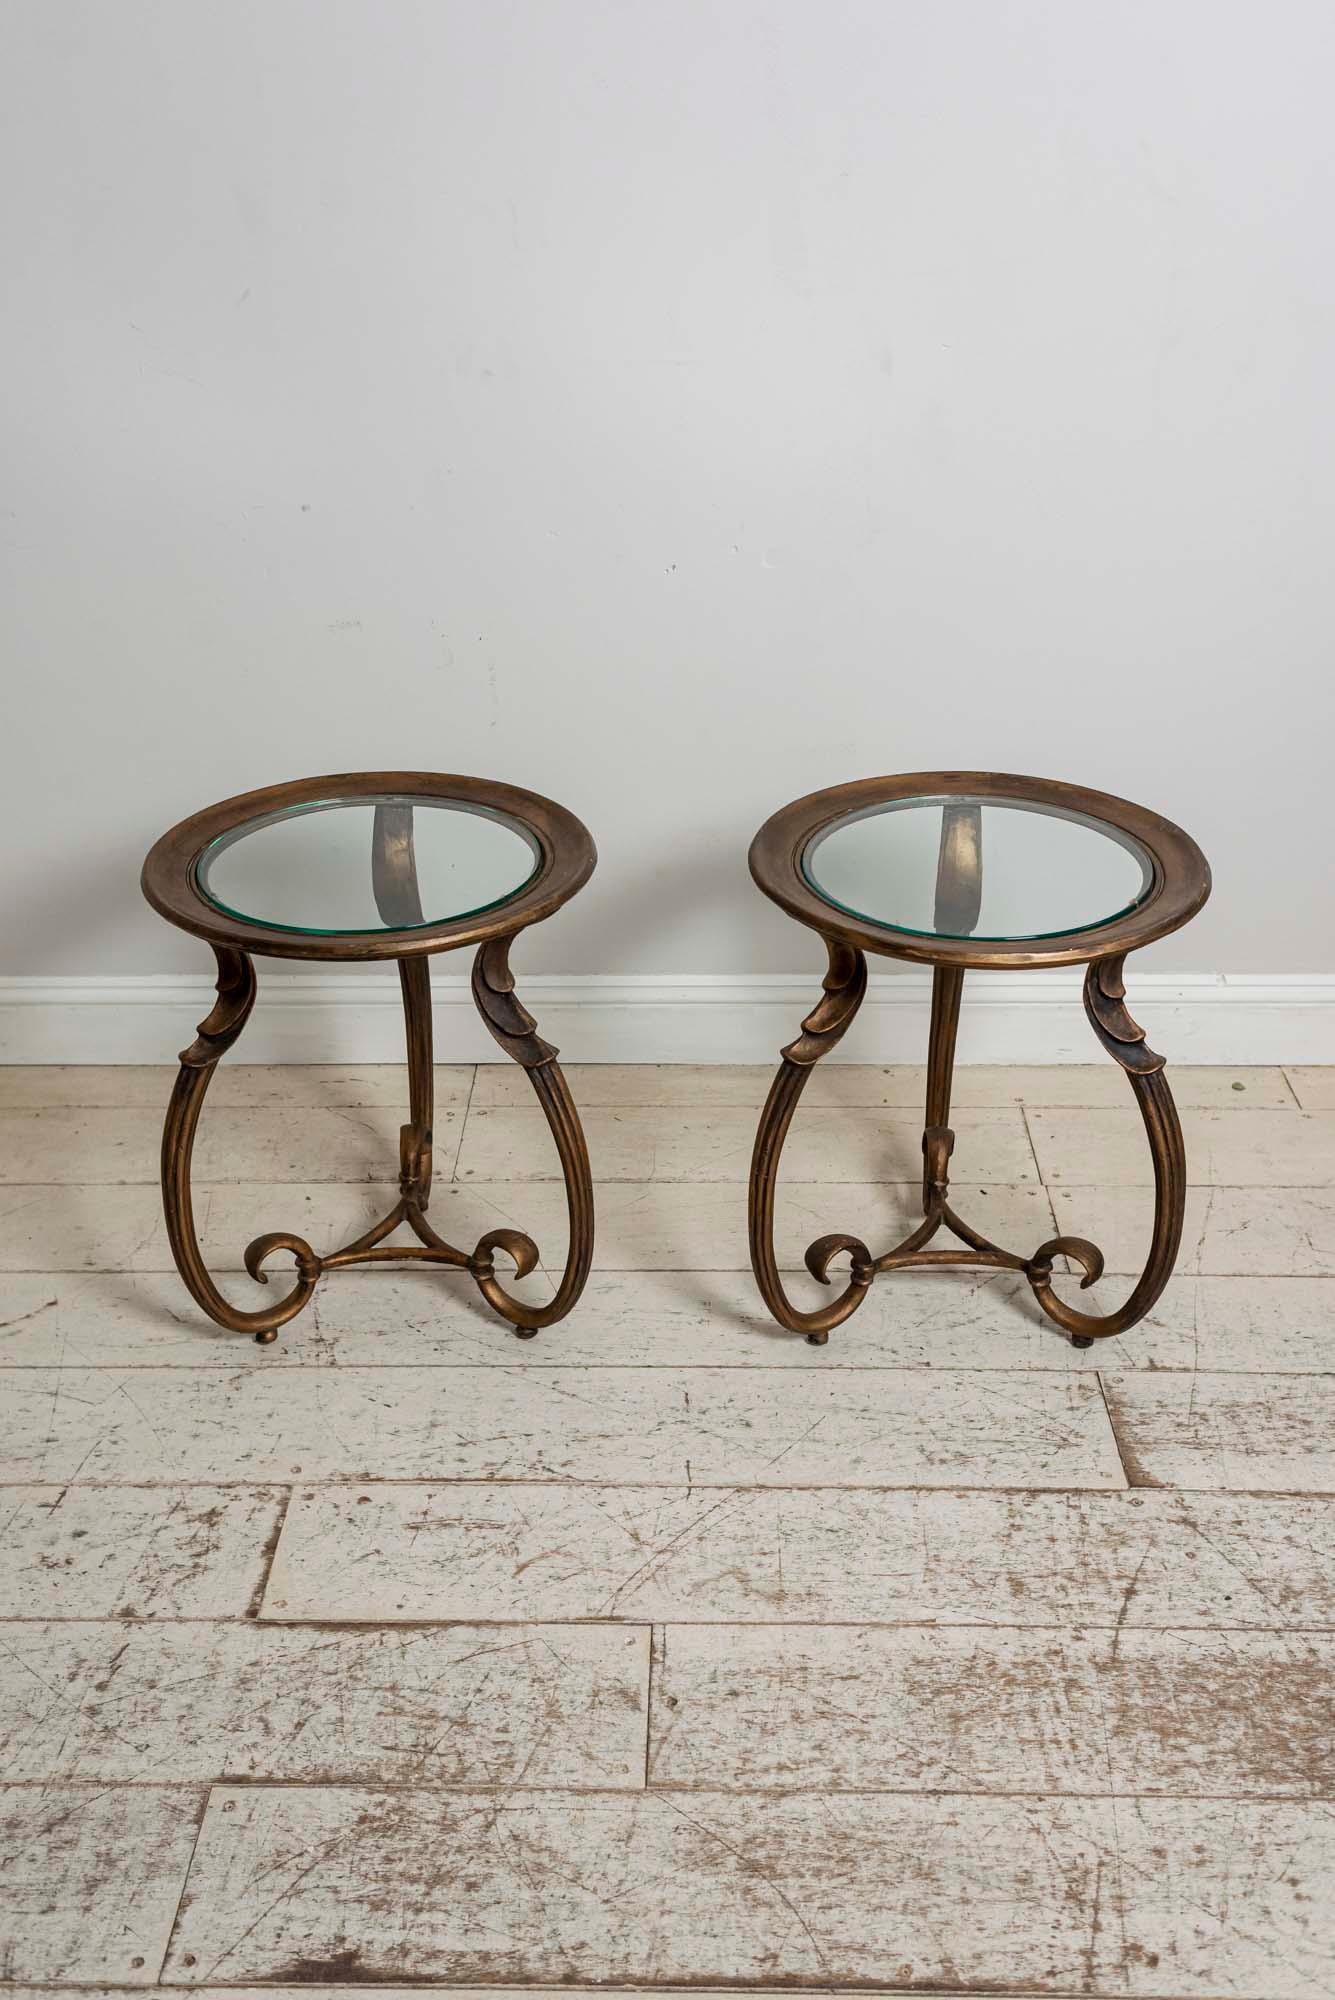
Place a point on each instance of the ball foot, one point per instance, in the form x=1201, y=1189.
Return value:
x=1082, y=1340
x=817, y=1339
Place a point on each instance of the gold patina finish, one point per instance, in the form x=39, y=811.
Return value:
x=1180, y=885
x=567, y=858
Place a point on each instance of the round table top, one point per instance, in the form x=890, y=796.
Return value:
x=365, y=865
x=980, y=868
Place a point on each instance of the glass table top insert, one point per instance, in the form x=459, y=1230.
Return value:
x=988, y=868
x=372, y=863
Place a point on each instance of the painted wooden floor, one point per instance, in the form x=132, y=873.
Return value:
x=665, y=1650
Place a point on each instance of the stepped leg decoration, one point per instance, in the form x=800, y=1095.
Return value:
x=1125, y=1042
x=395, y=882
x=844, y=986
x=236, y=997
x=516, y=1031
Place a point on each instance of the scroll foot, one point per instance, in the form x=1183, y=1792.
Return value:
x=844, y=985
x=1125, y=1042
x=236, y=997
x=513, y=1027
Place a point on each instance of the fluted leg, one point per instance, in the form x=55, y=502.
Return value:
x=514, y=1028
x=1125, y=1043
x=938, y=1141
x=844, y=986
x=399, y=901
x=415, y=1136
x=236, y=997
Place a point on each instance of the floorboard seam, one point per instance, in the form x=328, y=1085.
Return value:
x=463, y=1128
x=1292, y=1089
x=682, y=1180
x=346, y=1482
x=626, y=1270
x=205, y=1791
x=268, y=1552
x=1132, y=1482
x=626, y=1794
x=1058, y=1367
x=1033, y=1149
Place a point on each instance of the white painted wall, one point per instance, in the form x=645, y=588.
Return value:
x=674, y=405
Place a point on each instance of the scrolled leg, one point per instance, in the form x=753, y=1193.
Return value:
x=513, y=1027
x=236, y=997
x=1125, y=1043
x=845, y=984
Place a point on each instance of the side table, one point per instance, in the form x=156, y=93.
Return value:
x=968, y=870
x=366, y=866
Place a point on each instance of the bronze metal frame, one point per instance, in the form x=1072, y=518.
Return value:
x=566, y=859
x=1179, y=886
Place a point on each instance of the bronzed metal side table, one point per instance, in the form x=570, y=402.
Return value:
x=386, y=864
x=965, y=870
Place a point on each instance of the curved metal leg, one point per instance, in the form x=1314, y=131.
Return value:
x=938, y=1141
x=399, y=901
x=415, y=1136
x=236, y=997
x=1125, y=1043
x=395, y=883
x=844, y=986
x=514, y=1028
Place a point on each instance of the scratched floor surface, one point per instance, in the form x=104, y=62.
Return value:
x=665, y=1650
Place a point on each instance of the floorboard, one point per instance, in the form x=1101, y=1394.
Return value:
x=1144, y=1558
x=666, y=1651
x=1144, y=1897
x=401, y=1318
x=532, y=1705
x=648, y=1427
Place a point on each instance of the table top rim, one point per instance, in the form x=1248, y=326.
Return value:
x=566, y=849
x=1181, y=883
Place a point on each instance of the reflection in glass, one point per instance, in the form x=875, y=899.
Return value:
x=985, y=868
x=374, y=863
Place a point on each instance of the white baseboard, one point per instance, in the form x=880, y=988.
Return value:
x=354, y=1017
